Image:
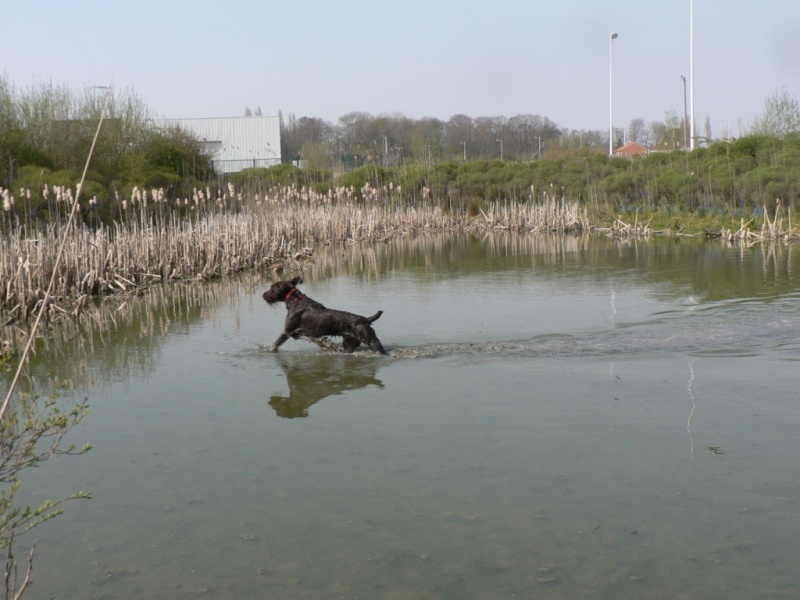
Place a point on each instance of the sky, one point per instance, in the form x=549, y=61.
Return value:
x=421, y=58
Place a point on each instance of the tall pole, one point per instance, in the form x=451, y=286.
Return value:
x=611, y=93
x=685, y=117
x=691, y=74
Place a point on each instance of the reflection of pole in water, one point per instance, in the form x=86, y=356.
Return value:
x=613, y=304
x=691, y=413
x=611, y=318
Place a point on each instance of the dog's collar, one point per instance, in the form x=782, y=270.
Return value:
x=292, y=291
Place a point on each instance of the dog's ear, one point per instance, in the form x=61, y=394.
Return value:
x=296, y=281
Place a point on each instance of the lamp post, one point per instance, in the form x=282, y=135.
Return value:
x=501, y=149
x=685, y=117
x=691, y=75
x=611, y=93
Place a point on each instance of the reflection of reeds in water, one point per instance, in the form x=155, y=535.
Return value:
x=124, y=334
x=440, y=252
x=163, y=245
x=119, y=338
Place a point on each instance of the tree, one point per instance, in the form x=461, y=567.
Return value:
x=458, y=136
x=637, y=132
x=669, y=134
x=781, y=115
x=295, y=133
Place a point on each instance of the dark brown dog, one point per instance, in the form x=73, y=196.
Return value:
x=308, y=318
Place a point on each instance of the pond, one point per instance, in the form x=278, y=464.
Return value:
x=559, y=417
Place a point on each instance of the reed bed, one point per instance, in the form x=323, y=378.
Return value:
x=775, y=228
x=211, y=235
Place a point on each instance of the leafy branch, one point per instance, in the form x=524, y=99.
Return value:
x=31, y=431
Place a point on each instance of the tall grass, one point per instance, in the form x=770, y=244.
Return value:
x=216, y=233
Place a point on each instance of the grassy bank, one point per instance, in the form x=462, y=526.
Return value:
x=224, y=230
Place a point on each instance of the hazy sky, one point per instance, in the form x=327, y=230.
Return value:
x=422, y=58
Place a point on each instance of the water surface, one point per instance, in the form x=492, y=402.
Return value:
x=559, y=418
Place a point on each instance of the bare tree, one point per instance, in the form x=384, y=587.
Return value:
x=781, y=115
x=668, y=135
x=637, y=132
x=458, y=136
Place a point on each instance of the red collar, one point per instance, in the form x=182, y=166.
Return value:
x=292, y=291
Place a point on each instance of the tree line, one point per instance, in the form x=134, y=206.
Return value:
x=393, y=138
x=51, y=127
x=46, y=133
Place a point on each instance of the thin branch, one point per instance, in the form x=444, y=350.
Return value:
x=49, y=289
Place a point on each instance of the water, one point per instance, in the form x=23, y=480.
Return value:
x=560, y=418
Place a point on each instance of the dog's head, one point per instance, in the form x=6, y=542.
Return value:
x=279, y=290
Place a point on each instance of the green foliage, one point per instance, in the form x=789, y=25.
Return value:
x=261, y=180
x=45, y=134
x=376, y=175
x=32, y=431
x=52, y=128
x=177, y=152
x=781, y=115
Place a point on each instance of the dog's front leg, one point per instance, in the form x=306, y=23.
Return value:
x=281, y=338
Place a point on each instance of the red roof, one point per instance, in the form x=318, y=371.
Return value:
x=630, y=150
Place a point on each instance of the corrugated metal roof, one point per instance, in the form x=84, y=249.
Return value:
x=237, y=143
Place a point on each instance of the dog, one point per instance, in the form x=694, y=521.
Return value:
x=308, y=318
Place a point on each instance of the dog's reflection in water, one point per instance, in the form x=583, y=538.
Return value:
x=312, y=377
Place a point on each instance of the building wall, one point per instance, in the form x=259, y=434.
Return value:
x=236, y=143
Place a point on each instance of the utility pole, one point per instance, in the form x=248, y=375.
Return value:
x=611, y=94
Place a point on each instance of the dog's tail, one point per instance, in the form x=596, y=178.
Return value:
x=375, y=317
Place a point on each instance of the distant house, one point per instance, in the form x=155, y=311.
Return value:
x=631, y=150
x=236, y=143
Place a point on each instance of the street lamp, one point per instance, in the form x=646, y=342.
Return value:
x=611, y=93
x=691, y=75
x=501, y=149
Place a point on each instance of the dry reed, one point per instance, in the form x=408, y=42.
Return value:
x=774, y=229
x=212, y=235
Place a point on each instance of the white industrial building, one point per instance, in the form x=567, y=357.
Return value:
x=236, y=143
